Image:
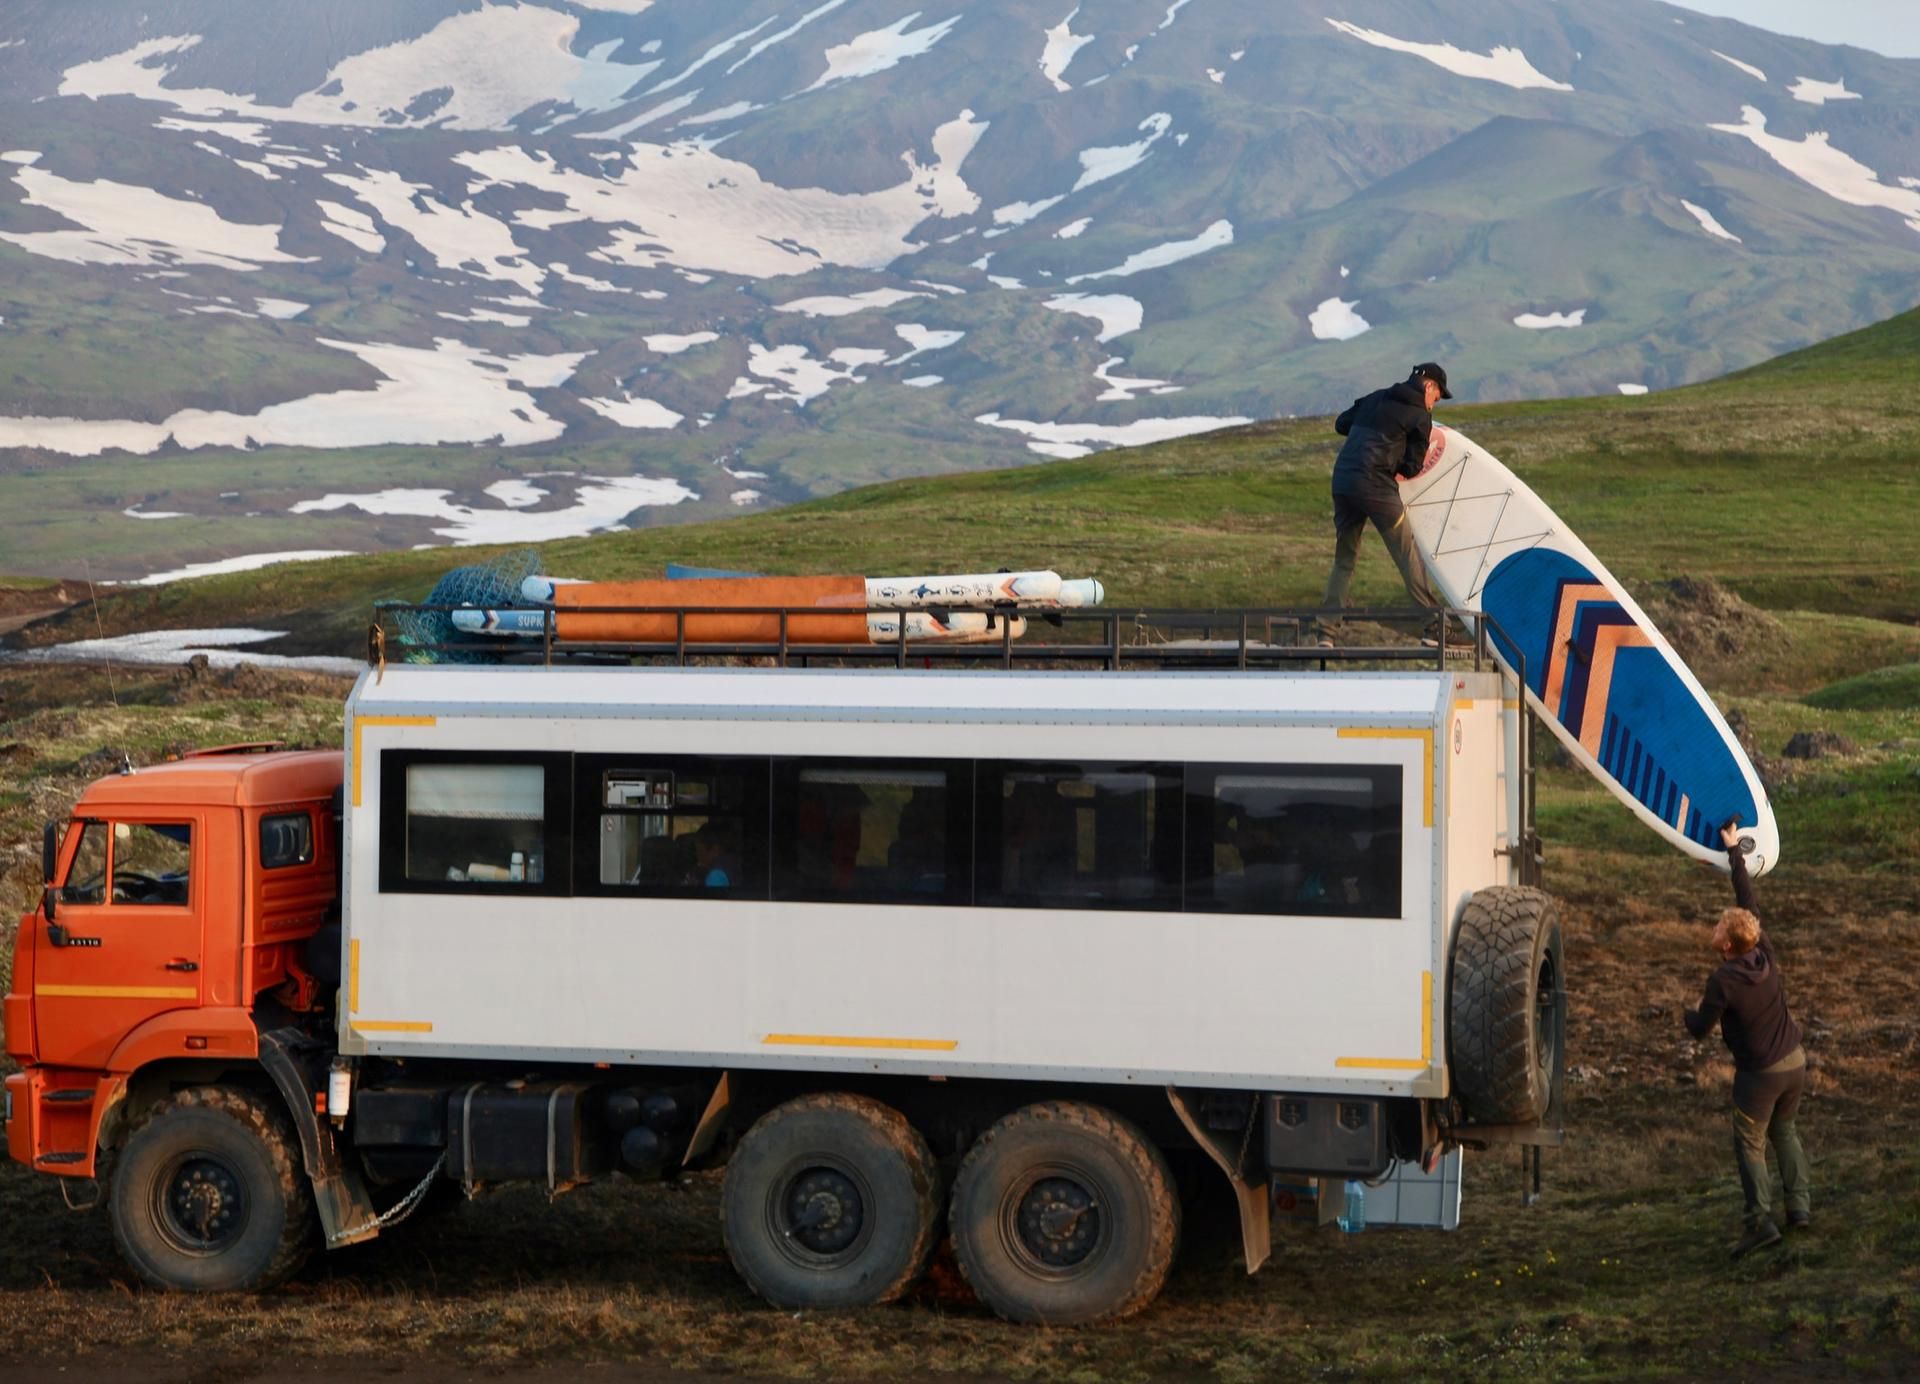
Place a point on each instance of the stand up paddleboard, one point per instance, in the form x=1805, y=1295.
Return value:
x=1597, y=671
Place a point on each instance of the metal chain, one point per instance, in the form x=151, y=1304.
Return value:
x=396, y=1213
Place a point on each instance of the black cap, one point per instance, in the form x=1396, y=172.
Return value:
x=1428, y=370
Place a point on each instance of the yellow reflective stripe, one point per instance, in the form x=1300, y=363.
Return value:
x=1405, y=1064
x=361, y=721
x=390, y=1025
x=353, y=976
x=120, y=992
x=1425, y=736
x=836, y=1040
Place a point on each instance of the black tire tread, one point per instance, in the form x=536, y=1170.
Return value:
x=270, y=1127
x=1145, y=1160
x=902, y=1137
x=1490, y=1003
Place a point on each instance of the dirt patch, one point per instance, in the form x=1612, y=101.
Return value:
x=1708, y=624
x=1819, y=744
x=22, y=605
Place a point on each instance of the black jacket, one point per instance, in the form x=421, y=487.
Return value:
x=1387, y=434
x=1747, y=997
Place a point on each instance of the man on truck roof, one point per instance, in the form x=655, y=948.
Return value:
x=1387, y=432
x=1748, y=999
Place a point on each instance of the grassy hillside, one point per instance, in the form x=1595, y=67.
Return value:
x=1793, y=484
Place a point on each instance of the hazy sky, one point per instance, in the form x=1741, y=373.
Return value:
x=1886, y=26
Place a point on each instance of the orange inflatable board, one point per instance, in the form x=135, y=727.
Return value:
x=579, y=614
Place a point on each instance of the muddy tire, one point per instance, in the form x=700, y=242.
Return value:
x=209, y=1194
x=1505, y=994
x=830, y=1201
x=1065, y=1213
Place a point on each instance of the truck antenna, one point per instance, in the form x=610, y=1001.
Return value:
x=92, y=596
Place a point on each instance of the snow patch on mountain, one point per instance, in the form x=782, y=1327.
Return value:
x=354, y=227
x=1019, y=213
x=713, y=54
x=450, y=77
x=1708, y=222
x=1171, y=252
x=448, y=393
x=846, y=304
x=669, y=344
x=1815, y=161
x=1122, y=388
x=240, y=131
x=1507, y=66
x=1539, y=322
x=805, y=376
x=125, y=224
x=599, y=502
x=461, y=238
x=685, y=205
x=1172, y=10
x=1049, y=438
x=1116, y=313
x=920, y=339
x=516, y=493
x=646, y=117
x=1097, y=165
x=1073, y=228
x=630, y=412
x=1818, y=93
x=1631, y=388
x=1336, y=320
x=782, y=35
x=1061, y=44
x=1745, y=67
x=922, y=381
x=879, y=49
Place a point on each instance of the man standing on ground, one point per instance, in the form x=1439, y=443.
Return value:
x=1387, y=435
x=1748, y=999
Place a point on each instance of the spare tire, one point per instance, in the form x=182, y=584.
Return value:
x=1506, y=997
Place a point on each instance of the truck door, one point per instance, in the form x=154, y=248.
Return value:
x=131, y=908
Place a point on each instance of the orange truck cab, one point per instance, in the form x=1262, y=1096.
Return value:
x=178, y=905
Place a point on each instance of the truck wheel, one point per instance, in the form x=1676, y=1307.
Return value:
x=830, y=1201
x=1064, y=1213
x=209, y=1194
x=1506, y=992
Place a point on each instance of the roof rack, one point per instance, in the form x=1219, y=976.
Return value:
x=1225, y=638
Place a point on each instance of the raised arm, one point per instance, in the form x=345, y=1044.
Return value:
x=1737, y=867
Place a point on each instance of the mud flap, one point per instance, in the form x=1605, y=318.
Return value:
x=1256, y=1225
x=298, y=1067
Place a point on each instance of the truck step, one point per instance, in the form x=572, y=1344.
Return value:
x=73, y=1095
x=60, y=1158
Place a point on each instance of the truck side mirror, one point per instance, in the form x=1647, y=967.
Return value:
x=49, y=853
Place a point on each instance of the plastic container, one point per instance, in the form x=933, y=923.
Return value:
x=1353, y=1218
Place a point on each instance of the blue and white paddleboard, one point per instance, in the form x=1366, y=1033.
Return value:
x=1597, y=671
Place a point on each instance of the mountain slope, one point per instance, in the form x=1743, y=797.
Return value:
x=453, y=271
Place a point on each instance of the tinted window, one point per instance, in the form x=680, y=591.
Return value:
x=674, y=825
x=1088, y=835
x=477, y=823
x=1294, y=839
x=87, y=876
x=873, y=831
x=286, y=838
x=151, y=862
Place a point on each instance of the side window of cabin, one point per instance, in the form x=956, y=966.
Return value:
x=479, y=823
x=152, y=863
x=1080, y=835
x=673, y=825
x=1294, y=839
x=87, y=875
x=873, y=831
x=286, y=839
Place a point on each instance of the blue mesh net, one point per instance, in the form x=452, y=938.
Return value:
x=493, y=585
